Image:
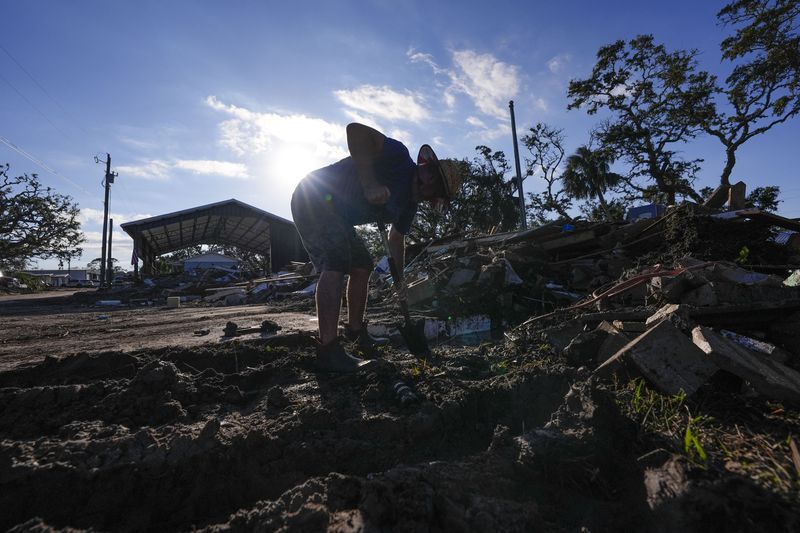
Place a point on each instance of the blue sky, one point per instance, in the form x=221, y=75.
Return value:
x=201, y=101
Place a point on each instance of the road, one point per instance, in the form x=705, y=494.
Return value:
x=37, y=325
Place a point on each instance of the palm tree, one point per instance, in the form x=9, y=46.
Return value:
x=587, y=175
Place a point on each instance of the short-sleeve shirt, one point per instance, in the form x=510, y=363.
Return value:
x=338, y=185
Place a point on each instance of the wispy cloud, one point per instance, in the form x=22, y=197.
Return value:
x=95, y=216
x=476, y=122
x=558, y=63
x=384, y=102
x=163, y=170
x=121, y=250
x=489, y=82
x=419, y=57
x=217, y=168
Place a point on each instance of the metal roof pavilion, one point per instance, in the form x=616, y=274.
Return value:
x=228, y=222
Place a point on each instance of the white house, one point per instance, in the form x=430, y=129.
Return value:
x=206, y=261
x=59, y=278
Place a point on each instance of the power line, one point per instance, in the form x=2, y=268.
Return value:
x=40, y=163
x=58, y=104
x=34, y=107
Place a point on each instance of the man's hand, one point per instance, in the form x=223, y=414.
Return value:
x=377, y=194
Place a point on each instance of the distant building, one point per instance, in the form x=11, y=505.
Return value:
x=61, y=278
x=207, y=261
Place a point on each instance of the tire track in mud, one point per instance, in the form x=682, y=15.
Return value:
x=178, y=438
x=246, y=436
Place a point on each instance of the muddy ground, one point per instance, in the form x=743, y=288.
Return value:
x=182, y=432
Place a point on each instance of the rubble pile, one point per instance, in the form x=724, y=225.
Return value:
x=512, y=276
x=212, y=287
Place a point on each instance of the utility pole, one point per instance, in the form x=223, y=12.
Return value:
x=107, y=181
x=110, y=266
x=519, y=172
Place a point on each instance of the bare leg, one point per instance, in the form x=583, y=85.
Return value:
x=357, y=297
x=329, y=301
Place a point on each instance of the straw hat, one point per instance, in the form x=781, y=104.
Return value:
x=448, y=170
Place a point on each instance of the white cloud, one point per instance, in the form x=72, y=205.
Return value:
x=419, y=57
x=487, y=134
x=558, y=63
x=487, y=81
x=490, y=82
x=152, y=170
x=163, y=170
x=217, y=168
x=95, y=216
x=384, y=102
x=476, y=122
x=121, y=248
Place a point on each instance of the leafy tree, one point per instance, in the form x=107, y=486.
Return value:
x=372, y=239
x=249, y=261
x=94, y=264
x=546, y=146
x=763, y=90
x=764, y=198
x=35, y=222
x=654, y=97
x=614, y=209
x=588, y=175
x=484, y=203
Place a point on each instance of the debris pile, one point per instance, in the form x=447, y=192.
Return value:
x=212, y=287
x=681, y=300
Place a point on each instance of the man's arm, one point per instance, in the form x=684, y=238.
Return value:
x=397, y=245
x=365, y=145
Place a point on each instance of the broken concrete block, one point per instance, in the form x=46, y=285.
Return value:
x=629, y=327
x=582, y=350
x=615, y=340
x=769, y=378
x=560, y=336
x=419, y=291
x=735, y=274
x=672, y=288
x=737, y=195
x=702, y=296
x=677, y=313
x=460, y=277
x=718, y=197
x=666, y=357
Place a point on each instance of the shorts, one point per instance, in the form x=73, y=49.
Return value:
x=331, y=242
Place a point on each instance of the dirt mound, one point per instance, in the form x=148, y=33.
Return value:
x=246, y=436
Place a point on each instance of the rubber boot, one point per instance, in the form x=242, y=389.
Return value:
x=366, y=345
x=332, y=357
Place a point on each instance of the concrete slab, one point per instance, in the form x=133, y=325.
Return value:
x=666, y=357
x=614, y=341
x=770, y=378
x=677, y=313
